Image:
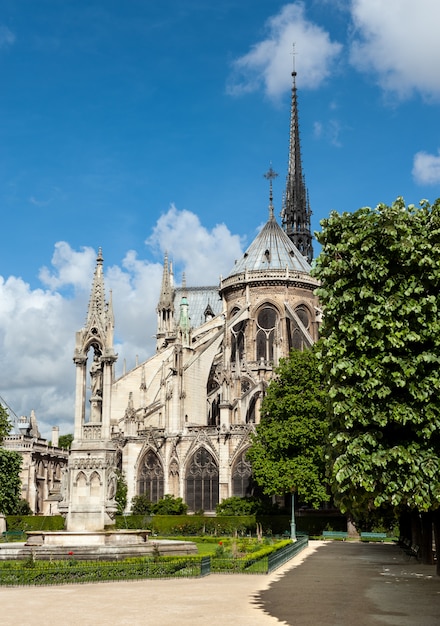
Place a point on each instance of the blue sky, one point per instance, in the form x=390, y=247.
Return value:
x=143, y=127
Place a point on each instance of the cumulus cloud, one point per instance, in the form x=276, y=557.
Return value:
x=426, y=168
x=204, y=255
x=69, y=267
x=268, y=62
x=398, y=41
x=37, y=326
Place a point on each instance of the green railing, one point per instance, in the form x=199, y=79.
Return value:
x=278, y=558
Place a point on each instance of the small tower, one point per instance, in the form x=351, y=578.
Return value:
x=184, y=329
x=165, y=308
x=89, y=484
x=296, y=211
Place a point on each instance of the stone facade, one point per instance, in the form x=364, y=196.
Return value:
x=42, y=466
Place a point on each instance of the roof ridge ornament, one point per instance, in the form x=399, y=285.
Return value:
x=270, y=175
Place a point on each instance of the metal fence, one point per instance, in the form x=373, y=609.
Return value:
x=278, y=558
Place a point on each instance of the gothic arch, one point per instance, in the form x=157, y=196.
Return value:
x=241, y=475
x=95, y=485
x=267, y=319
x=202, y=481
x=150, y=476
x=295, y=333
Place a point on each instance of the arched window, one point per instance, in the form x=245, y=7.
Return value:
x=265, y=335
x=295, y=332
x=250, y=414
x=202, y=482
x=242, y=477
x=150, y=477
x=237, y=341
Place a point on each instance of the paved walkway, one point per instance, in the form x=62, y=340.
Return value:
x=328, y=584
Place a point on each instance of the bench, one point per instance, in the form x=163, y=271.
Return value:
x=373, y=536
x=13, y=535
x=335, y=534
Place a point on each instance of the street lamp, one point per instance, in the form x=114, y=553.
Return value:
x=292, y=520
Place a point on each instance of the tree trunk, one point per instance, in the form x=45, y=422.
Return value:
x=426, y=554
x=436, y=524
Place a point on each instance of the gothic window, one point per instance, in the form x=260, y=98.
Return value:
x=242, y=477
x=250, y=415
x=213, y=378
x=214, y=412
x=237, y=341
x=265, y=336
x=295, y=334
x=202, y=482
x=150, y=481
x=245, y=386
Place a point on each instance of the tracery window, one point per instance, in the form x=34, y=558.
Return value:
x=242, y=477
x=265, y=335
x=237, y=341
x=202, y=486
x=296, y=335
x=150, y=481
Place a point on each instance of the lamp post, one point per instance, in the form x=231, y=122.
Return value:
x=292, y=520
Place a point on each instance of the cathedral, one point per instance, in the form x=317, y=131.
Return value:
x=180, y=423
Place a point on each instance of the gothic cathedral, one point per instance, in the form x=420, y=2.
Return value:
x=180, y=422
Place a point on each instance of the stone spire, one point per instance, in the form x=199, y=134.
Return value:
x=296, y=207
x=96, y=310
x=165, y=307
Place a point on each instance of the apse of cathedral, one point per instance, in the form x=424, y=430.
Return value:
x=180, y=423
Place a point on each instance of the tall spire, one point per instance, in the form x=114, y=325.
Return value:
x=96, y=309
x=296, y=207
x=165, y=307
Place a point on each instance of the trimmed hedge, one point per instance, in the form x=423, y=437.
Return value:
x=34, y=522
x=192, y=525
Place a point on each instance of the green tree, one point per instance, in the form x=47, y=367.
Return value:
x=10, y=483
x=121, y=492
x=141, y=505
x=10, y=465
x=5, y=424
x=287, y=451
x=169, y=505
x=380, y=289
x=65, y=441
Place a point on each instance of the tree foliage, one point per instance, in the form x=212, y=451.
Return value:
x=287, y=451
x=65, y=441
x=10, y=483
x=168, y=505
x=121, y=491
x=380, y=289
x=5, y=424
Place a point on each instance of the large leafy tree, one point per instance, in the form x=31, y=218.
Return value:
x=10, y=465
x=287, y=451
x=380, y=288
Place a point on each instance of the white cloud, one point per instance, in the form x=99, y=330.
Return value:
x=37, y=326
x=71, y=268
x=426, y=168
x=7, y=37
x=398, y=41
x=203, y=255
x=269, y=62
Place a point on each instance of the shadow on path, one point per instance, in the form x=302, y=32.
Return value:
x=355, y=584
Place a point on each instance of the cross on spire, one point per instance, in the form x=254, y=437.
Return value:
x=270, y=175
